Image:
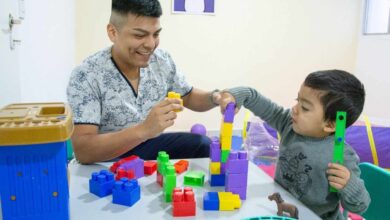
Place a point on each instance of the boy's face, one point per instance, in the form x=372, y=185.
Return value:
x=135, y=41
x=308, y=114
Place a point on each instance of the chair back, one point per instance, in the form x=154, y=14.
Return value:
x=377, y=182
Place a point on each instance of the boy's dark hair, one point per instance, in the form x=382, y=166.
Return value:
x=148, y=8
x=343, y=92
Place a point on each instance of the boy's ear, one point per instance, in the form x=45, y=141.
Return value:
x=330, y=126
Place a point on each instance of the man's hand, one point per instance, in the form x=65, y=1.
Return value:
x=160, y=117
x=338, y=175
x=222, y=99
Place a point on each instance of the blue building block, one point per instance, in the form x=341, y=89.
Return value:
x=210, y=201
x=217, y=180
x=126, y=192
x=101, y=183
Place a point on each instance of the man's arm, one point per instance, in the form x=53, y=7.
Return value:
x=199, y=100
x=89, y=146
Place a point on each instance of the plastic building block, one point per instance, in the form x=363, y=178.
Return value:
x=115, y=165
x=236, y=179
x=237, y=162
x=217, y=180
x=169, y=183
x=210, y=201
x=226, y=130
x=181, y=166
x=137, y=165
x=292, y=210
x=183, y=202
x=174, y=95
x=150, y=167
x=215, y=150
x=225, y=155
x=129, y=174
x=194, y=178
x=229, y=112
x=228, y=201
x=126, y=192
x=160, y=179
x=339, y=138
x=215, y=168
x=101, y=183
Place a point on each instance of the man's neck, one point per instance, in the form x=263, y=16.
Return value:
x=131, y=72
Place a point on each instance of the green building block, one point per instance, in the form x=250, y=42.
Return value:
x=194, y=178
x=169, y=183
x=224, y=155
x=339, y=138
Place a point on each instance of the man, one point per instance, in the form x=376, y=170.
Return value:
x=118, y=94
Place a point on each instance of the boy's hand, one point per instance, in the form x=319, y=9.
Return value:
x=338, y=175
x=224, y=98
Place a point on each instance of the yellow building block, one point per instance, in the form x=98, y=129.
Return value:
x=226, y=129
x=215, y=168
x=174, y=95
x=226, y=142
x=228, y=201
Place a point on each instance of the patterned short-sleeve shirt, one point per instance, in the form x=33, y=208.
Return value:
x=100, y=94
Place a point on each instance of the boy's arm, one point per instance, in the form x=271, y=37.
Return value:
x=261, y=106
x=354, y=196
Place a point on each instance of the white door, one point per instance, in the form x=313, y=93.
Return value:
x=9, y=59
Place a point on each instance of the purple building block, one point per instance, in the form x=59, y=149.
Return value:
x=236, y=180
x=215, y=151
x=101, y=183
x=223, y=168
x=137, y=165
x=126, y=192
x=229, y=113
x=237, y=162
x=179, y=5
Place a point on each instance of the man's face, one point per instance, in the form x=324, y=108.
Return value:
x=308, y=113
x=135, y=41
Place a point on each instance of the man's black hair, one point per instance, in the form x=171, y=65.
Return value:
x=148, y=8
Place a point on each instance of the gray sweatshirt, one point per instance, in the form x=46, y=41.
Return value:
x=303, y=161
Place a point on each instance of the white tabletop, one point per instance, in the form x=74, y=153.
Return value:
x=84, y=205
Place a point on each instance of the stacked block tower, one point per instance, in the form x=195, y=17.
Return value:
x=228, y=168
x=220, y=149
x=33, y=160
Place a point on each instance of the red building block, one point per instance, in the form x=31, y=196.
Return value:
x=183, y=202
x=150, y=167
x=181, y=166
x=160, y=179
x=129, y=174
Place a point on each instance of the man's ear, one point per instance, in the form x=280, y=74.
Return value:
x=330, y=126
x=112, y=32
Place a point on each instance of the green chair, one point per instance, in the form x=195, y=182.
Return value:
x=377, y=182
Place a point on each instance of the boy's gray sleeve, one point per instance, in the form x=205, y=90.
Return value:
x=354, y=196
x=261, y=106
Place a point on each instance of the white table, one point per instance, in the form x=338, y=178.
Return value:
x=84, y=205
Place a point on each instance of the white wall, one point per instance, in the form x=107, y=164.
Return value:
x=47, y=53
x=267, y=44
x=373, y=68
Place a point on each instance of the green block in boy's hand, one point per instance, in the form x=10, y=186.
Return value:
x=338, y=150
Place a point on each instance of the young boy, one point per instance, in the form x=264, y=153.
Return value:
x=304, y=166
